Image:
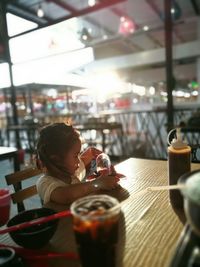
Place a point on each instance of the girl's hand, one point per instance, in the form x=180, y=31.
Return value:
x=105, y=172
x=89, y=154
x=107, y=182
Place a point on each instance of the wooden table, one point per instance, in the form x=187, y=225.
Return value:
x=149, y=228
x=30, y=131
x=10, y=153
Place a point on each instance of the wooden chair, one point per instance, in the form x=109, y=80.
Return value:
x=21, y=194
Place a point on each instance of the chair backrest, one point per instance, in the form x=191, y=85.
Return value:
x=20, y=193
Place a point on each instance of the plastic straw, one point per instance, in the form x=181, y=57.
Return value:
x=36, y=222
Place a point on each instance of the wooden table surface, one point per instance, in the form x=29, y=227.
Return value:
x=10, y=153
x=148, y=229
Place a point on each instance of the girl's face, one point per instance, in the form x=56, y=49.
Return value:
x=71, y=159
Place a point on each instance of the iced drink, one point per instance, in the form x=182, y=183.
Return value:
x=95, y=223
x=4, y=205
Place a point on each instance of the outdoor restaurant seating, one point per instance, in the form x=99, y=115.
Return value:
x=107, y=135
x=27, y=135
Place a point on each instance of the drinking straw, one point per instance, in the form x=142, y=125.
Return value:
x=37, y=221
x=166, y=187
x=158, y=188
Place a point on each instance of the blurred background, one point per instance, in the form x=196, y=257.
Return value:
x=103, y=66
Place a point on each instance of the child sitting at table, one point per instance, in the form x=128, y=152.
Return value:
x=58, y=155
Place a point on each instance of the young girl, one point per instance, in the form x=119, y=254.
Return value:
x=58, y=154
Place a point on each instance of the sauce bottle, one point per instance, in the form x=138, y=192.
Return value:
x=179, y=163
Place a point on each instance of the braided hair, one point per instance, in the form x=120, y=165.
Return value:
x=55, y=140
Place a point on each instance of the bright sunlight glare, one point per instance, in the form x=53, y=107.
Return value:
x=17, y=25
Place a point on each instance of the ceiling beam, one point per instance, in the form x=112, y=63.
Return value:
x=145, y=58
x=64, y=5
x=148, y=76
x=23, y=13
x=131, y=45
x=119, y=13
x=112, y=41
x=156, y=41
x=73, y=10
x=117, y=37
x=27, y=14
x=85, y=11
x=177, y=34
x=155, y=8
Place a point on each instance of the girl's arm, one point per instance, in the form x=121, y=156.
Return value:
x=69, y=193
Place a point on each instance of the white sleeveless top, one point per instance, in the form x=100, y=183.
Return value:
x=46, y=184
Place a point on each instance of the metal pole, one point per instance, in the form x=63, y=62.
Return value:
x=169, y=61
x=4, y=30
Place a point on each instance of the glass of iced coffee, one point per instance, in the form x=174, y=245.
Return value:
x=95, y=224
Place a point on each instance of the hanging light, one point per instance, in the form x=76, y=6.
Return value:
x=91, y=2
x=85, y=36
x=127, y=26
x=176, y=10
x=40, y=12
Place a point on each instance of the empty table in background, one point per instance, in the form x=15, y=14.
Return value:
x=10, y=153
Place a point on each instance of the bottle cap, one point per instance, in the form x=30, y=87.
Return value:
x=178, y=143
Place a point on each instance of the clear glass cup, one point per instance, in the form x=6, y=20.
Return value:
x=95, y=224
x=5, y=200
x=103, y=163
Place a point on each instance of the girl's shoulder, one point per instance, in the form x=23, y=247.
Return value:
x=48, y=179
